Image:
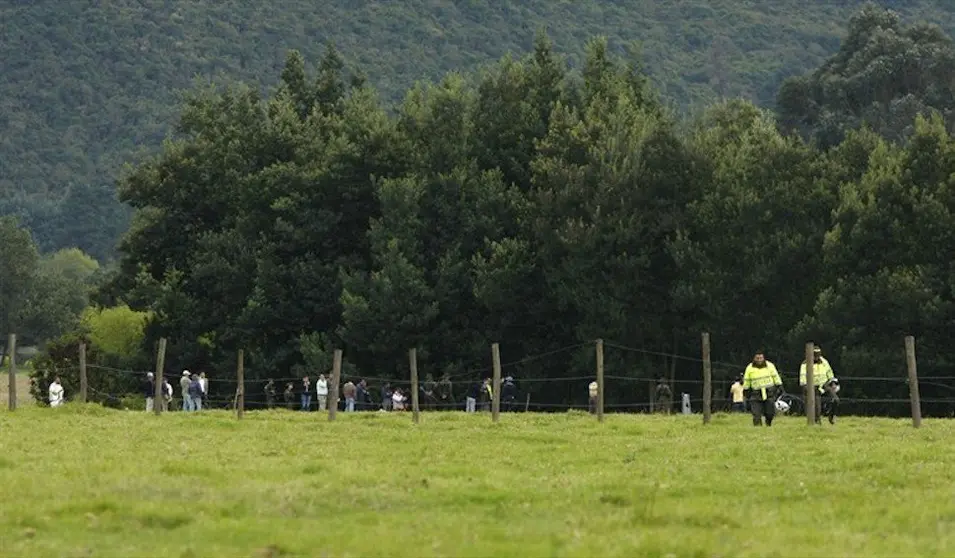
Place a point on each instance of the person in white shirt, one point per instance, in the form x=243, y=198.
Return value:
x=167, y=392
x=321, y=392
x=593, y=389
x=398, y=400
x=56, y=393
x=204, y=385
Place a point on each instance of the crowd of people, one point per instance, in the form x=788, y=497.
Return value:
x=355, y=395
x=759, y=389
x=194, y=389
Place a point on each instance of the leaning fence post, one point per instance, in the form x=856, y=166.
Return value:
x=413, y=363
x=810, y=386
x=496, y=382
x=240, y=392
x=160, y=365
x=333, y=389
x=913, y=381
x=83, y=381
x=600, y=380
x=12, y=349
x=707, y=380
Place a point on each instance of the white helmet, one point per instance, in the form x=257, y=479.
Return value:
x=833, y=385
x=782, y=406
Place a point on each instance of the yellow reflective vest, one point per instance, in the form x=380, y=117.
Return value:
x=821, y=373
x=760, y=379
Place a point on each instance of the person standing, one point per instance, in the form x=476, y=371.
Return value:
x=509, y=395
x=362, y=396
x=348, y=392
x=270, y=394
x=204, y=384
x=736, y=394
x=664, y=396
x=474, y=393
x=397, y=400
x=487, y=395
x=386, y=393
x=592, y=393
x=762, y=381
x=184, y=386
x=321, y=392
x=149, y=390
x=195, y=393
x=56, y=393
x=445, y=393
x=821, y=374
x=167, y=394
x=306, y=394
x=289, y=395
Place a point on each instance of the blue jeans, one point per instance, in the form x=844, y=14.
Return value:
x=196, y=403
x=349, y=405
x=186, y=402
x=306, y=402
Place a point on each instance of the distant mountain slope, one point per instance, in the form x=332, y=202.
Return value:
x=84, y=85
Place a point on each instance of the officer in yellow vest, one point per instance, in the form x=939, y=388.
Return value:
x=764, y=385
x=821, y=374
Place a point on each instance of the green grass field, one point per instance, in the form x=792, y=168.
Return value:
x=94, y=482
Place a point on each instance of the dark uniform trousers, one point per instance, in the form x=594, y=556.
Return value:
x=762, y=408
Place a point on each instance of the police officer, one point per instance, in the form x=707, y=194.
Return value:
x=764, y=385
x=821, y=374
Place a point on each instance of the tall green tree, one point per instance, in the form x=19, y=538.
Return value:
x=749, y=250
x=884, y=74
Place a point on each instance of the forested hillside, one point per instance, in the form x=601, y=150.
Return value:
x=88, y=86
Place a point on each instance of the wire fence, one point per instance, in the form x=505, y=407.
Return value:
x=547, y=382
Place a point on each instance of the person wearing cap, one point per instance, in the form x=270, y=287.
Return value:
x=184, y=386
x=764, y=385
x=821, y=375
x=149, y=390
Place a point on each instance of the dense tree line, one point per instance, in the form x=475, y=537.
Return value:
x=537, y=208
x=87, y=87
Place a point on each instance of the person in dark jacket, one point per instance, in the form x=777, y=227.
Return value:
x=195, y=392
x=386, y=393
x=474, y=393
x=306, y=394
x=149, y=390
x=362, y=397
x=509, y=395
x=444, y=393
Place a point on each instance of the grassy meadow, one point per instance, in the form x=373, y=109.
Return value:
x=87, y=481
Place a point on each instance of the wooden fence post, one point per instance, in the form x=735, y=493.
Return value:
x=810, y=386
x=160, y=366
x=12, y=349
x=84, y=385
x=413, y=363
x=600, y=380
x=913, y=381
x=707, y=380
x=333, y=388
x=240, y=391
x=496, y=382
